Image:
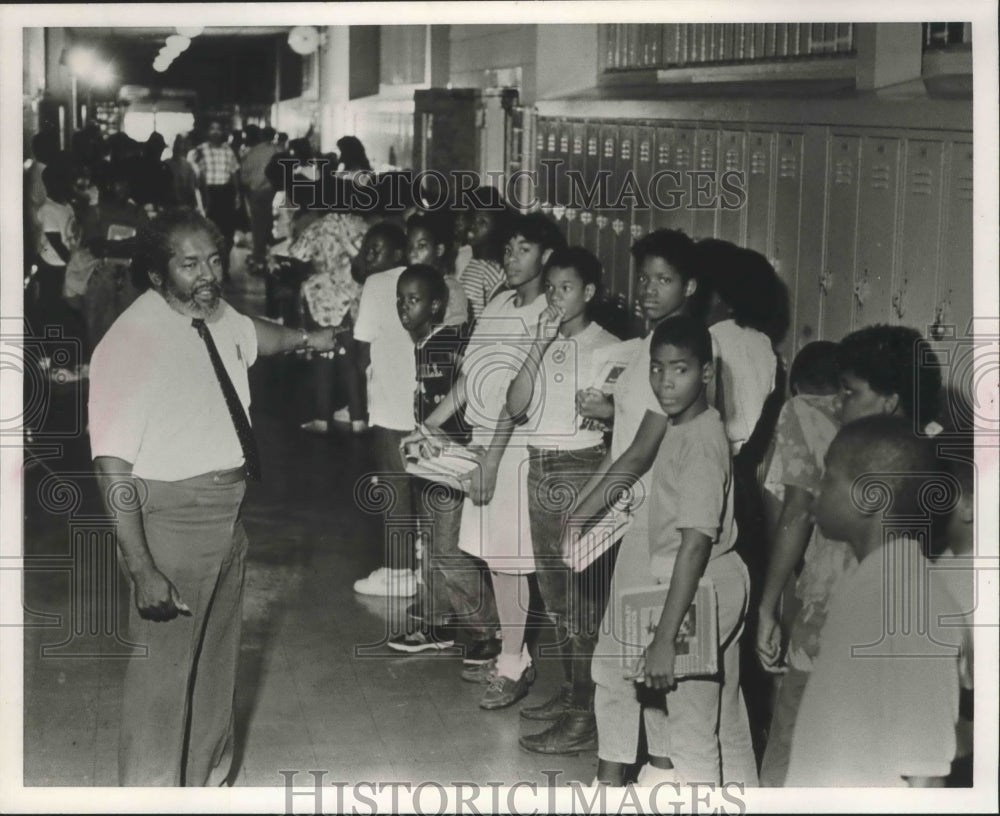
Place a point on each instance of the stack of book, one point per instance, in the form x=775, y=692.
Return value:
x=453, y=466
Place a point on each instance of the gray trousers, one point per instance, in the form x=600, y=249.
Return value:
x=177, y=707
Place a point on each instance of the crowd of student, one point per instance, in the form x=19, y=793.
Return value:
x=478, y=326
x=725, y=482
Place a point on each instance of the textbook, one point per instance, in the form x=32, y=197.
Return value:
x=608, y=364
x=697, y=644
x=586, y=548
x=453, y=466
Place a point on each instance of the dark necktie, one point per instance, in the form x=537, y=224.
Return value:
x=240, y=421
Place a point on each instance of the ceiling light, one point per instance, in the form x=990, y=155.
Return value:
x=81, y=61
x=178, y=44
x=303, y=39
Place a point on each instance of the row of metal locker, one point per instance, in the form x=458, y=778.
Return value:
x=863, y=225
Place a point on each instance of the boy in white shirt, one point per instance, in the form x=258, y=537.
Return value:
x=388, y=346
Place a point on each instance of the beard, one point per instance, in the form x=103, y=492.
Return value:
x=189, y=302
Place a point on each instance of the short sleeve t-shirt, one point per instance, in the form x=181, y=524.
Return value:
x=57, y=218
x=393, y=372
x=481, y=280
x=437, y=359
x=155, y=400
x=633, y=395
x=882, y=701
x=691, y=488
x=566, y=367
x=745, y=372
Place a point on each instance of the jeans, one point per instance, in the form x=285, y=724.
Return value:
x=401, y=525
x=456, y=591
x=575, y=601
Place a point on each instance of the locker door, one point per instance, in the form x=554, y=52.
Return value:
x=592, y=164
x=643, y=166
x=761, y=150
x=878, y=184
x=914, y=291
x=576, y=166
x=609, y=219
x=684, y=160
x=809, y=267
x=954, y=300
x=704, y=205
x=664, y=189
x=787, y=201
x=564, y=134
x=625, y=189
x=841, y=236
x=732, y=210
x=545, y=146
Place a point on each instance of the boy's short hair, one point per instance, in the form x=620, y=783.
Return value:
x=429, y=277
x=579, y=259
x=673, y=246
x=536, y=228
x=815, y=366
x=895, y=360
x=903, y=467
x=392, y=233
x=685, y=332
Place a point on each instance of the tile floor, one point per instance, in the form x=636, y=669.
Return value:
x=305, y=701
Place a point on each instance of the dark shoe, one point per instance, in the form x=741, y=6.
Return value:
x=573, y=733
x=480, y=672
x=503, y=692
x=553, y=708
x=482, y=651
x=419, y=641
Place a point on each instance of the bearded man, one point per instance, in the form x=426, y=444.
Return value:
x=172, y=446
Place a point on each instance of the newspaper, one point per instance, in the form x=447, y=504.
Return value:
x=697, y=644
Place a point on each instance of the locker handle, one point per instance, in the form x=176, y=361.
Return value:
x=825, y=282
x=861, y=289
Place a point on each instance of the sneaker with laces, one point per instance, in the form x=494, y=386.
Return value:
x=389, y=583
x=503, y=692
x=420, y=640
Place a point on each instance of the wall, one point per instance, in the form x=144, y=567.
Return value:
x=480, y=52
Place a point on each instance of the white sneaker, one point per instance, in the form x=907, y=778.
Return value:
x=387, y=582
x=650, y=776
x=342, y=415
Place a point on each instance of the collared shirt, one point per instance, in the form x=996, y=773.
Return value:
x=215, y=164
x=154, y=398
x=566, y=367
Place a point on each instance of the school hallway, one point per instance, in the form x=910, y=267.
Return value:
x=317, y=688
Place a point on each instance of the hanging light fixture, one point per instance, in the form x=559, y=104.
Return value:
x=303, y=40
